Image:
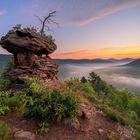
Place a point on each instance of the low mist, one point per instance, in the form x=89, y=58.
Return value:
x=115, y=74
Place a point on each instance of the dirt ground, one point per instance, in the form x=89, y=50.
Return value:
x=98, y=128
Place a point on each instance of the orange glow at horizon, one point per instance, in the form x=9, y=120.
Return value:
x=117, y=52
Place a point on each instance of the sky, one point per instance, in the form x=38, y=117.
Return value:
x=87, y=28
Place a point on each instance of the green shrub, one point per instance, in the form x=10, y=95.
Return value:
x=4, y=131
x=137, y=131
x=35, y=86
x=133, y=115
x=13, y=102
x=4, y=95
x=43, y=127
x=4, y=110
x=53, y=106
x=4, y=84
x=134, y=105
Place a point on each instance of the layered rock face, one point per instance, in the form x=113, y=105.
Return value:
x=31, y=55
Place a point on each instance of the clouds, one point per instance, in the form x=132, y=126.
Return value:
x=72, y=12
x=78, y=12
x=81, y=12
x=123, y=30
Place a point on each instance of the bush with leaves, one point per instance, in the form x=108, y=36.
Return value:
x=43, y=127
x=35, y=87
x=4, y=84
x=10, y=101
x=4, y=110
x=4, y=95
x=53, y=106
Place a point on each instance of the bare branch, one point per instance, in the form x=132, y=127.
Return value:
x=54, y=22
x=47, y=20
x=38, y=18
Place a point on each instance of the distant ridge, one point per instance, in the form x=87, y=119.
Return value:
x=4, y=59
x=135, y=63
x=125, y=60
x=81, y=61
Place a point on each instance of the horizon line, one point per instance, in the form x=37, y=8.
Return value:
x=85, y=58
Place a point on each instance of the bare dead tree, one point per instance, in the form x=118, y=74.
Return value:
x=46, y=21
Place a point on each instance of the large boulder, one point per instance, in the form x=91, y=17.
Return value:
x=31, y=55
x=27, y=41
x=87, y=111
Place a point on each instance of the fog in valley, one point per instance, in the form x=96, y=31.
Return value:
x=116, y=74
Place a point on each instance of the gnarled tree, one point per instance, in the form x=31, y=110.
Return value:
x=46, y=21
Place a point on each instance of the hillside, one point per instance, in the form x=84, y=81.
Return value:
x=125, y=60
x=72, y=109
x=135, y=63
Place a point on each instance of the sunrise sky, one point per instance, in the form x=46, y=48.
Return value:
x=87, y=28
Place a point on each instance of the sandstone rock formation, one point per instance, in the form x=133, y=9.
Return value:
x=31, y=55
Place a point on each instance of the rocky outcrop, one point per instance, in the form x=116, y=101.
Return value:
x=87, y=111
x=31, y=55
x=25, y=40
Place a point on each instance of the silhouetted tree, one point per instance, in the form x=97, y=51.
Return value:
x=46, y=21
x=83, y=80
